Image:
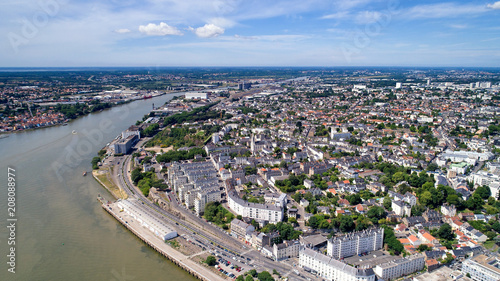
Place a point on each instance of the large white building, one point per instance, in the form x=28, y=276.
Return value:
x=401, y=267
x=482, y=268
x=146, y=218
x=332, y=269
x=356, y=243
x=285, y=250
x=259, y=212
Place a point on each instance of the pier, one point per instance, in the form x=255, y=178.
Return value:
x=193, y=268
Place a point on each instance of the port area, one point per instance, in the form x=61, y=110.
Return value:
x=191, y=264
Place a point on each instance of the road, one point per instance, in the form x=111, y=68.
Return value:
x=197, y=227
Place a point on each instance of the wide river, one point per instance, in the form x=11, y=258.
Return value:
x=62, y=233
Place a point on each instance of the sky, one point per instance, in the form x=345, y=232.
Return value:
x=157, y=33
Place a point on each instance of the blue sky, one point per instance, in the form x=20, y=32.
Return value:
x=44, y=33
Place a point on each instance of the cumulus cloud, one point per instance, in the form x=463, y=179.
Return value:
x=122, y=30
x=495, y=6
x=161, y=29
x=208, y=30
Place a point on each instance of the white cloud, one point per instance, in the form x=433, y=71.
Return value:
x=443, y=10
x=161, y=29
x=458, y=26
x=337, y=15
x=222, y=22
x=367, y=17
x=494, y=6
x=122, y=30
x=209, y=30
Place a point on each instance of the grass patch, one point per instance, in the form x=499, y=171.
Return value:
x=490, y=245
x=102, y=176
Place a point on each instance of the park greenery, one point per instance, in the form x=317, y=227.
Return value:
x=216, y=213
x=147, y=180
x=178, y=155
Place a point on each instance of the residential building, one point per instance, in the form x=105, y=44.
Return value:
x=263, y=213
x=401, y=267
x=286, y=250
x=124, y=146
x=332, y=269
x=356, y=243
x=240, y=229
x=482, y=268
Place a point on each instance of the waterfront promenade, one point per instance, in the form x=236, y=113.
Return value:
x=196, y=269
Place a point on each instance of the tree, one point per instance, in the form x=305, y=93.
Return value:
x=265, y=276
x=426, y=199
x=445, y=232
x=417, y=210
x=346, y=224
x=211, y=261
x=240, y=278
x=249, y=278
x=423, y=248
x=387, y=203
x=252, y=272
x=483, y=191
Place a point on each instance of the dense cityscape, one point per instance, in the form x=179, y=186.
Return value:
x=335, y=174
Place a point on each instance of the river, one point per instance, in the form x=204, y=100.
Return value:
x=62, y=233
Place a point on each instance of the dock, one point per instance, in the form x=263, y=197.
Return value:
x=195, y=269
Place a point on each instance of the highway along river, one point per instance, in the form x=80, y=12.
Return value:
x=61, y=232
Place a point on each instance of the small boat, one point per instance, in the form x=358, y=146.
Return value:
x=84, y=173
x=65, y=124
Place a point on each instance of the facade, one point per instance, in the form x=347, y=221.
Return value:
x=482, y=268
x=401, y=267
x=449, y=210
x=259, y=212
x=147, y=219
x=332, y=269
x=241, y=229
x=132, y=130
x=125, y=145
x=285, y=250
x=356, y=243
x=205, y=196
x=401, y=208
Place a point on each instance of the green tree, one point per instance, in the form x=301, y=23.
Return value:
x=265, y=276
x=211, y=261
x=249, y=277
x=346, y=224
x=483, y=191
x=387, y=203
x=445, y=232
x=240, y=278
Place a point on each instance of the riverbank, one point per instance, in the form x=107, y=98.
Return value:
x=67, y=120
x=103, y=177
x=197, y=270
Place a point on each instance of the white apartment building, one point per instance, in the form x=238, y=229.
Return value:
x=482, y=268
x=356, y=243
x=285, y=250
x=332, y=269
x=401, y=267
x=259, y=212
x=205, y=196
x=401, y=208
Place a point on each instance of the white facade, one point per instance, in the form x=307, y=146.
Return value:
x=285, y=250
x=331, y=269
x=356, y=243
x=401, y=267
x=147, y=218
x=205, y=196
x=259, y=212
x=482, y=268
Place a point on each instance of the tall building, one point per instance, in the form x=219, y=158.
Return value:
x=356, y=243
x=332, y=269
x=262, y=213
x=401, y=267
x=482, y=268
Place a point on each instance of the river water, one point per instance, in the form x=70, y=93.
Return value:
x=62, y=233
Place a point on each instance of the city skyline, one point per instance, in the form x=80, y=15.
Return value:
x=51, y=33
